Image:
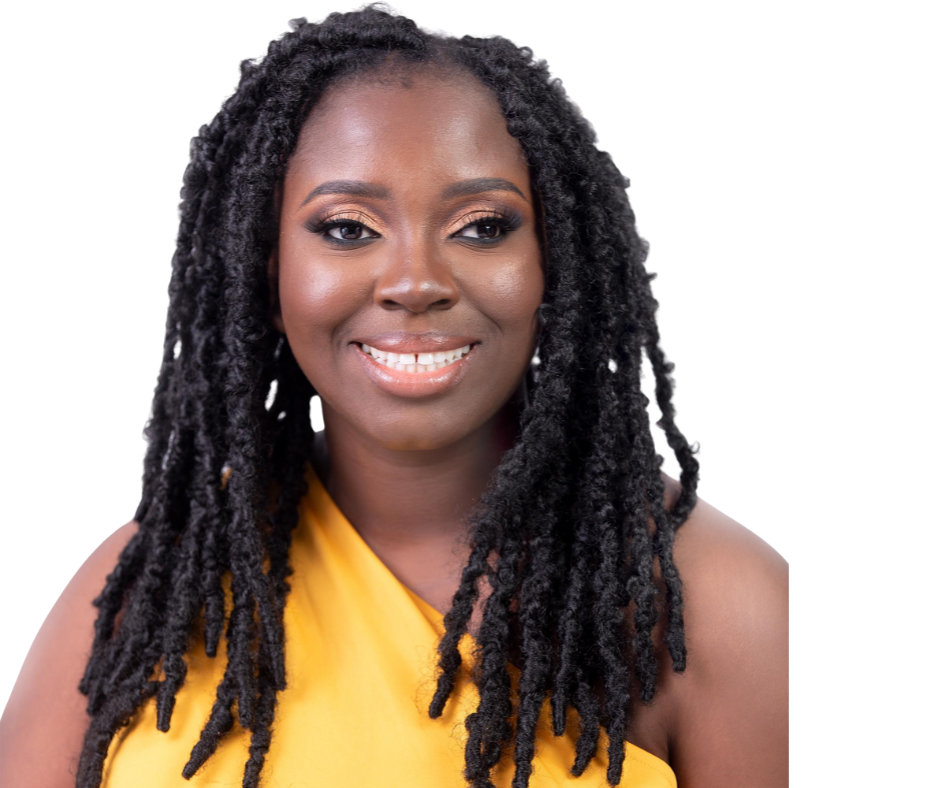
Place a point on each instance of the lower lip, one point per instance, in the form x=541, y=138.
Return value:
x=415, y=384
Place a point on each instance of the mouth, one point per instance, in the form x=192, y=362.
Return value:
x=417, y=374
x=417, y=362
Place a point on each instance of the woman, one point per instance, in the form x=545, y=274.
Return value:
x=420, y=231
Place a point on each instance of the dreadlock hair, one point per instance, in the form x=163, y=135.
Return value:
x=572, y=524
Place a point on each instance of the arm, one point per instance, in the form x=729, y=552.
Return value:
x=729, y=711
x=44, y=723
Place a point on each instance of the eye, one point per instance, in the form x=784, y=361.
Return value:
x=485, y=230
x=348, y=231
x=490, y=228
x=340, y=231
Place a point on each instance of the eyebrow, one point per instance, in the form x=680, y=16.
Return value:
x=377, y=192
x=355, y=188
x=477, y=185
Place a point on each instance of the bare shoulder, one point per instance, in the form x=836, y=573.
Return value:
x=729, y=710
x=727, y=566
x=44, y=721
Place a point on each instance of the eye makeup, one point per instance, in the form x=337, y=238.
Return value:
x=505, y=219
x=338, y=230
x=347, y=222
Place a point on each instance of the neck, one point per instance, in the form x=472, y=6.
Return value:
x=400, y=499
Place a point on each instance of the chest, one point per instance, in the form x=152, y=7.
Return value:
x=354, y=713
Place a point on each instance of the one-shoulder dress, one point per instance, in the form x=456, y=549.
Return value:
x=360, y=652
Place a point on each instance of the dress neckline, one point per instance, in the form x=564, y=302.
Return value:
x=328, y=513
x=330, y=510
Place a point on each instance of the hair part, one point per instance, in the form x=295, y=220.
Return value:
x=572, y=526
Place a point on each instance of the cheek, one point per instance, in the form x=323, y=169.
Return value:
x=316, y=301
x=316, y=298
x=511, y=294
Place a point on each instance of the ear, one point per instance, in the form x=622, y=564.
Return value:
x=274, y=299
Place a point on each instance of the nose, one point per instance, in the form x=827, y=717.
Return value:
x=416, y=278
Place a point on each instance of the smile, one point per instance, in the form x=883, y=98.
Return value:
x=419, y=374
x=417, y=362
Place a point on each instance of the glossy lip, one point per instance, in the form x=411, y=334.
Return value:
x=416, y=342
x=416, y=384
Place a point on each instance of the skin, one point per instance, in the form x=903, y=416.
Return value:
x=426, y=460
x=405, y=471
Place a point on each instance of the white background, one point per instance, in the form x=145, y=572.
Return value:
x=785, y=171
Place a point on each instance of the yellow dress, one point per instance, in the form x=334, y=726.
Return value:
x=360, y=656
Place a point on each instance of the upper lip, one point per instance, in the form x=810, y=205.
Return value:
x=420, y=342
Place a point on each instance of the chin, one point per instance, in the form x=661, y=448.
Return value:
x=397, y=438
x=421, y=429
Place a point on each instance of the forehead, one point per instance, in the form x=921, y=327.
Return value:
x=448, y=127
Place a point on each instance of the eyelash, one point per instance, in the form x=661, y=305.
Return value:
x=508, y=222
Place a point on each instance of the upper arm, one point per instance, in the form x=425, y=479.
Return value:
x=730, y=716
x=44, y=722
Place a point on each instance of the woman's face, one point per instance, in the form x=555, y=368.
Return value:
x=407, y=224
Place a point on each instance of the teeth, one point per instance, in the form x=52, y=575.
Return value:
x=416, y=362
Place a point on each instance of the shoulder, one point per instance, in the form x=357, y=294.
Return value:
x=37, y=752
x=728, y=570
x=729, y=709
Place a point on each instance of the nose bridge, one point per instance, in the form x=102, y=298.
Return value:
x=415, y=275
